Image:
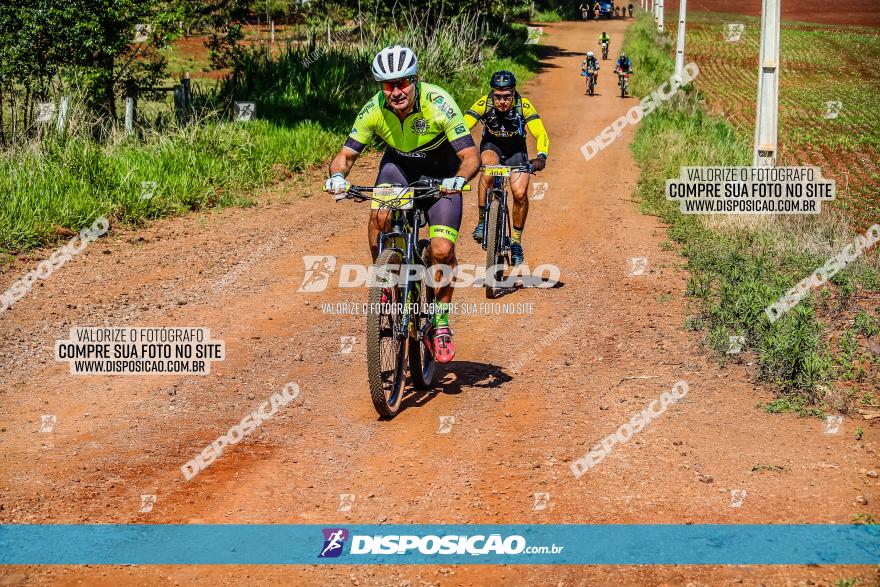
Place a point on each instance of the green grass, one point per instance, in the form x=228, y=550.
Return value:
x=546, y=16
x=736, y=270
x=68, y=184
x=819, y=63
x=304, y=111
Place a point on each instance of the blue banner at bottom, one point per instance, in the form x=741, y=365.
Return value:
x=543, y=544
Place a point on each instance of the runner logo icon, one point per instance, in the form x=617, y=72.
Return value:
x=334, y=541
x=318, y=270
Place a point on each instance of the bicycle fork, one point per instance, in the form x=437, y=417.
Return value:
x=404, y=242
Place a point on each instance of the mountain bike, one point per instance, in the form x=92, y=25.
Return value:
x=604, y=50
x=399, y=316
x=591, y=81
x=623, y=82
x=498, y=230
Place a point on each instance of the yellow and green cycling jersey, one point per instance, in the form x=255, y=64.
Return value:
x=434, y=124
x=509, y=125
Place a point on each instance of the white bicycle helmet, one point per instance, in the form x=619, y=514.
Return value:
x=589, y=53
x=394, y=63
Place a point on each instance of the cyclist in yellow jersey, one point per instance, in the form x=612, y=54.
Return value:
x=505, y=116
x=424, y=134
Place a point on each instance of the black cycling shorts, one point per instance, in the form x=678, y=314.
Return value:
x=511, y=153
x=444, y=216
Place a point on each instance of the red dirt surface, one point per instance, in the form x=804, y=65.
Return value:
x=236, y=271
x=859, y=12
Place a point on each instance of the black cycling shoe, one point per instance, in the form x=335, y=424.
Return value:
x=516, y=254
x=479, y=232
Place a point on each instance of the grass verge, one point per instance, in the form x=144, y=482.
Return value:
x=738, y=266
x=307, y=98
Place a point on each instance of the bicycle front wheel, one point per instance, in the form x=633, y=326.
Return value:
x=386, y=348
x=494, y=257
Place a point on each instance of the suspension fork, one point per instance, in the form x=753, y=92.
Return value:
x=399, y=222
x=500, y=184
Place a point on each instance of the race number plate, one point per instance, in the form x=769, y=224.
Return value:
x=396, y=198
x=497, y=170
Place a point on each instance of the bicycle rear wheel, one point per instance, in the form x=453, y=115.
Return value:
x=494, y=257
x=386, y=351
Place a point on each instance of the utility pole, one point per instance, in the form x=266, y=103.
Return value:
x=767, y=118
x=659, y=16
x=679, y=50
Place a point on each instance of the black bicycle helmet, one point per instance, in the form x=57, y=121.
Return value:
x=503, y=79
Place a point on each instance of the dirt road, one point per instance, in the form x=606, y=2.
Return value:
x=515, y=433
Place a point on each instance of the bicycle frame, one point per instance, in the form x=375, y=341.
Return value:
x=405, y=224
x=406, y=327
x=591, y=78
x=497, y=192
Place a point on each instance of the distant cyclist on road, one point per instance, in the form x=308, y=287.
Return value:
x=623, y=64
x=424, y=133
x=505, y=116
x=591, y=63
x=604, y=38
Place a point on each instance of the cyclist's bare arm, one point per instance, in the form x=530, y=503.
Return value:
x=344, y=161
x=470, y=162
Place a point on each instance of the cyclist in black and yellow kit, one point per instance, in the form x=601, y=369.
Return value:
x=424, y=134
x=505, y=116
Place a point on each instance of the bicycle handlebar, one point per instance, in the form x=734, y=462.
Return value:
x=527, y=168
x=423, y=189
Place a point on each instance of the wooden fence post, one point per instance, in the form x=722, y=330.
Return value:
x=179, y=104
x=187, y=98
